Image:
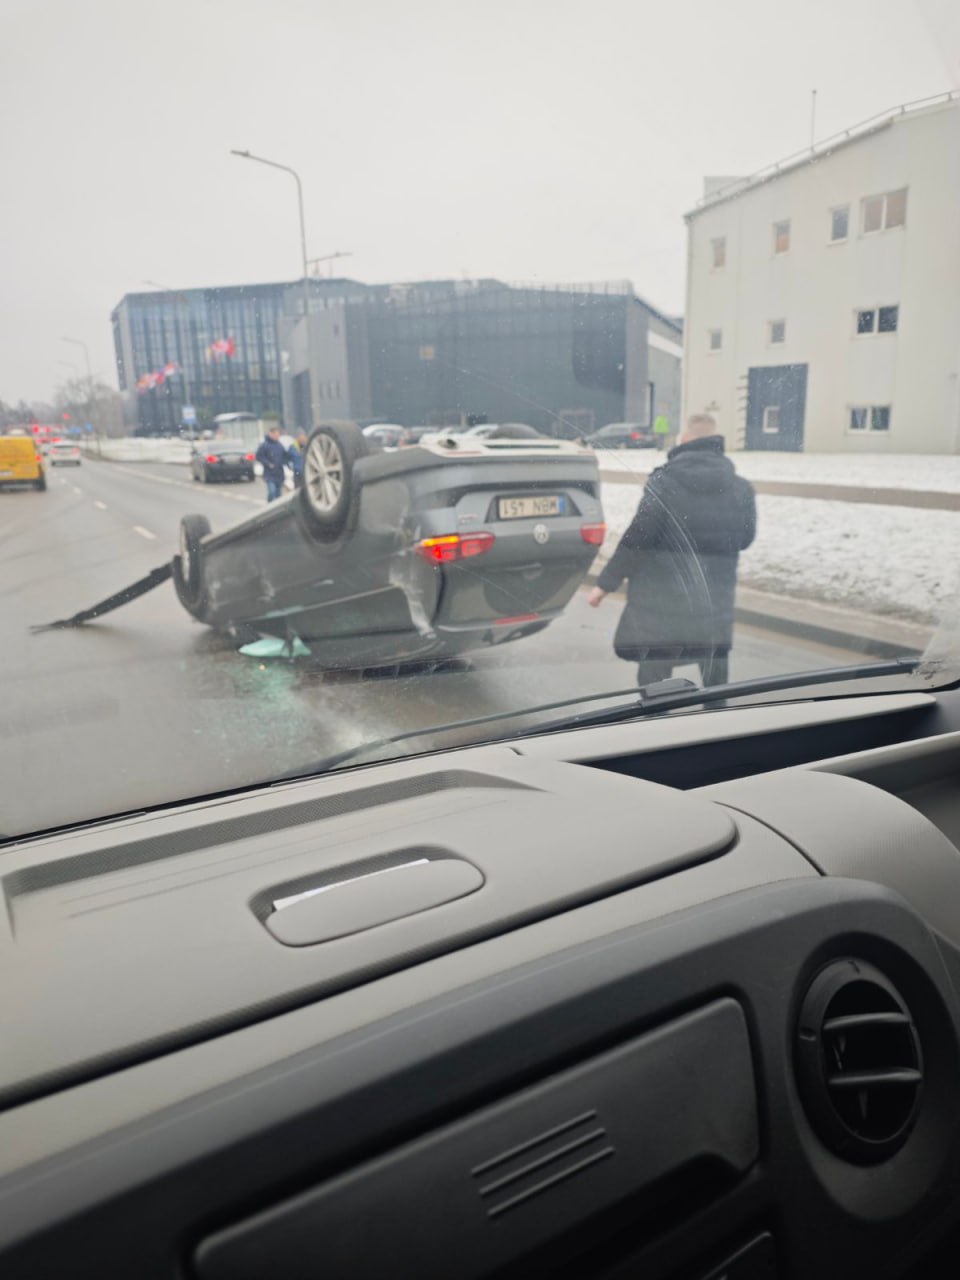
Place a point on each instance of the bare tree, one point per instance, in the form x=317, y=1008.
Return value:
x=91, y=402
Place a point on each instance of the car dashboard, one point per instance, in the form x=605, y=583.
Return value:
x=673, y=998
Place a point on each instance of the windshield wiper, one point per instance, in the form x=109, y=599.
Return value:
x=664, y=695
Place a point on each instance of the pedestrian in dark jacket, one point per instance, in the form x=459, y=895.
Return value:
x=273, y=457
x=296, y=454
x=679, y=556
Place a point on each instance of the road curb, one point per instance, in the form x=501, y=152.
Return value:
x=927, y=499
x=866, y=633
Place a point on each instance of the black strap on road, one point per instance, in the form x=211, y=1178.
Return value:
x=135, y=589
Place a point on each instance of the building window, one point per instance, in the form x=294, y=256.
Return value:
x=866, y=321
x=870, y=417
x=715, y=339
x=878, y=320
x=880, y=417
x=778, y=331
x=719, y=247
x=771, y=420
x=880, y=213
x=781, y=236
x=840, y=223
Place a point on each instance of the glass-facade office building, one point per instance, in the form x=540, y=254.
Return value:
x=220, y=346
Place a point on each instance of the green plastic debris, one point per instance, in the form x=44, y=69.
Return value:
x=274, y=647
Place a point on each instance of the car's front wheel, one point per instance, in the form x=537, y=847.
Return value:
x=327, y=489
x=188, y=564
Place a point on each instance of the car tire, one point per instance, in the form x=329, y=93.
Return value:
x=41, y=483
x=206, y=476
x=327, y=490
x=188, y=563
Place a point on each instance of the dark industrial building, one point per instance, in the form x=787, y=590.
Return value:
x=556, y=357
x=562, y=358
x=214, y=349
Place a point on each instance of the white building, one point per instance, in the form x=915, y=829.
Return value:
x=823, y=294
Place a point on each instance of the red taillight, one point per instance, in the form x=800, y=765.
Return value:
x=593, y=534
x=250, y=457
x=519, y=617
x=39, y=457
x=636, y=435
x=475, y=544
x=453, y=546
x=212, y=457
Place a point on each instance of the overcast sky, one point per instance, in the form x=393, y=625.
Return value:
x=552, y=140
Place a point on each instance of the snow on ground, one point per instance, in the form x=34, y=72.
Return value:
x=939, y=472
x=898, y=561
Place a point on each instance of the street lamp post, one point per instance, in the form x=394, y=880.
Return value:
x=331, y=258
x=76, y=342
x=304, y=265
x=178, y=298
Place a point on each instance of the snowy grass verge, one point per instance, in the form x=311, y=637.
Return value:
x=886, y=561
x=926, y=472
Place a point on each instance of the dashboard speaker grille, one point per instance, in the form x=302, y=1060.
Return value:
x=859, y=1062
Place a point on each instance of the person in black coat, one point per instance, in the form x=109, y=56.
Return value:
x=273, y=457
x=679, y=557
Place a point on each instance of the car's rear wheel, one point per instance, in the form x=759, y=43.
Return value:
x=40, y=483
x=188, y=564
x=327, y=489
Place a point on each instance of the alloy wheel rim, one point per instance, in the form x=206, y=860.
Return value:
x=324, y=473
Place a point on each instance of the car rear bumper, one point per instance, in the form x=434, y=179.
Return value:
x=225, y=472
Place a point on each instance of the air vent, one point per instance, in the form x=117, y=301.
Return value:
x=859, y=1064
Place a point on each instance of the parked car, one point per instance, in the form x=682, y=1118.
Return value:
x=624, y=435
x=381, y=558
x=64, y=454
x=222, y=460
x=385, y=435
x=413, y=435
x=503, y=431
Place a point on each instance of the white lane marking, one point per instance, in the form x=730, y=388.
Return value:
x=101, y=505
x=144, y=533
x=187, y=484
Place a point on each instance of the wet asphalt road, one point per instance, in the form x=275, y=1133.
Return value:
x=147, y=706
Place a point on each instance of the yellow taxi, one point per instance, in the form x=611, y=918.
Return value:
x=21, y=462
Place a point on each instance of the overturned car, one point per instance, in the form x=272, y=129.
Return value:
x=381, y=558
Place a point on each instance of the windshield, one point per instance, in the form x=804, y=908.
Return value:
x=463, y=364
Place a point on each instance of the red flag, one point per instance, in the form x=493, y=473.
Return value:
x=221, y=347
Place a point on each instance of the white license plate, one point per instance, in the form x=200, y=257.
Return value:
x=521, y=508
